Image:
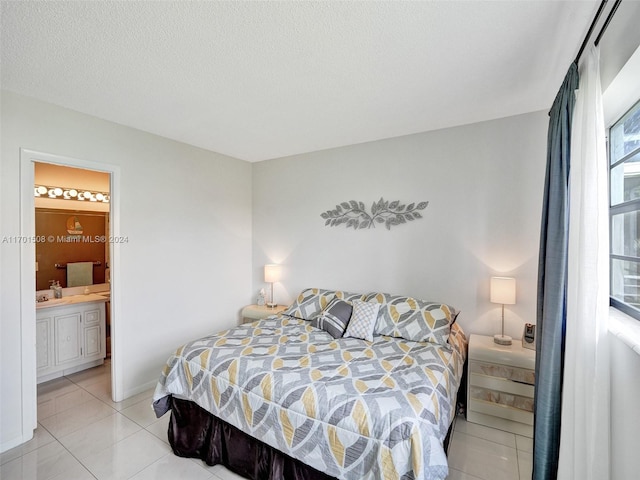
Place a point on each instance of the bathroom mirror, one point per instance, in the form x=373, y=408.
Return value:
x=74, y=237
x=71, y=225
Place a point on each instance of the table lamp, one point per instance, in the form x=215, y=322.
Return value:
x=271, y=275
x=503, y=291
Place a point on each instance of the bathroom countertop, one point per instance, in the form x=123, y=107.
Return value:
x=71, y=300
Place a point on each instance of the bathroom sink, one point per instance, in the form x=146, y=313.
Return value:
x=51, y=302
x=72, y=300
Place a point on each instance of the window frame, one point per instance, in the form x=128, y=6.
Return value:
x=620, y=208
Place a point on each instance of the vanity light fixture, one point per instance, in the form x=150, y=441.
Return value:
x=503, y=291
x=272, y=275
x=70, y=194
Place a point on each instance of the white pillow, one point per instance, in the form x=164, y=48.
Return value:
x=363, y=320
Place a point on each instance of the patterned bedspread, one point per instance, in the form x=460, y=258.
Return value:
x=349, y=408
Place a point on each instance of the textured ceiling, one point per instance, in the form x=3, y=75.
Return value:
x=259, y=80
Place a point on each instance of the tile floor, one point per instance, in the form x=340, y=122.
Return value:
x=82, y=434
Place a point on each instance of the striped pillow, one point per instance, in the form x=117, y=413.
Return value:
x=335, y=318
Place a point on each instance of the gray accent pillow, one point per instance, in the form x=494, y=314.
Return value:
x=335, y=318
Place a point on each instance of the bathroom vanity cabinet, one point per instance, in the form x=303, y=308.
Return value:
x=70, y=337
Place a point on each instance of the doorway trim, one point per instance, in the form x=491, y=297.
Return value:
x=28, y=280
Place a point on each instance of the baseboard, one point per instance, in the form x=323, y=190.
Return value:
x=139, y=389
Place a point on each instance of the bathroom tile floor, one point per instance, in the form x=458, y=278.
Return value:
x=82, y=434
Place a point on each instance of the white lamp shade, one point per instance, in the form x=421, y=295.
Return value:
x=272, y=273
x=503, y=290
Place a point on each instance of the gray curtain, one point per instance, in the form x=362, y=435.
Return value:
x=552, y=280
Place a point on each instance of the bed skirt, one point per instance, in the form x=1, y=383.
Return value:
x=195, y=433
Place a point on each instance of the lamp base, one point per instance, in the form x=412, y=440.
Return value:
x=272, y=305
x=502, y=339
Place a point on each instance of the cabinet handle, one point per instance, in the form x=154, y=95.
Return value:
x=69, y=338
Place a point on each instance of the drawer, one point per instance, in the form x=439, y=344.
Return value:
x=502, y=398
x=502, y=411
x=515, y=374
x=91, y=317
x=501, y=385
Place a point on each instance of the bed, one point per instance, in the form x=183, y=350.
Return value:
x=292, y=396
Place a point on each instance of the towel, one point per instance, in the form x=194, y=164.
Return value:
x=79, y=274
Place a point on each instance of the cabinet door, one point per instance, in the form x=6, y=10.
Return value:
x=92, y=341
x=44, y=355
x=67, y=337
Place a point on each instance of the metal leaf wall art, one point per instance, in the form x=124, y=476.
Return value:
x=354, y=214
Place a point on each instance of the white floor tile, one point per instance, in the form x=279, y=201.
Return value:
x=77, y=472
x=60, y=403
x=54, y=388
x=101, y=390
x=102, y=434
x=494, y=435
x=524, y=444
x=458, y=475
x=69, y=421
x=160, y=428
x=525, y=465
x=223, y=473
x=127, y=457
x=131, y=401
x=90, y=376
x=171, y=467
x=483, y=458
x=44, y=463
x=142, y=413
x=40, y=438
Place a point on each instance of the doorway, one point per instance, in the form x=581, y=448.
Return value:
x=72, y=217
x=28, y=161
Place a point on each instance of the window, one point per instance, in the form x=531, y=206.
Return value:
x=624, y=186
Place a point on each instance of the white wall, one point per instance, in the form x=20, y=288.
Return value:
x=185, y=271
x=484, y=184
x=625, y=414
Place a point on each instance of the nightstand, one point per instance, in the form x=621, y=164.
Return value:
x=258, y=312
x=500, y=386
